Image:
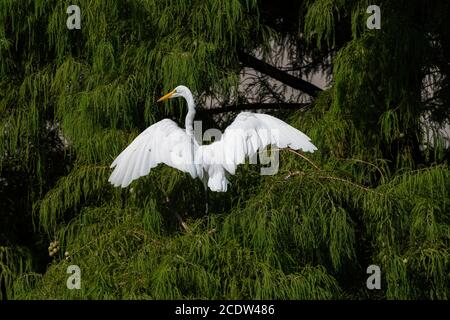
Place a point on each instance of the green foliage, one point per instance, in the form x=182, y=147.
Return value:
x=374, y=193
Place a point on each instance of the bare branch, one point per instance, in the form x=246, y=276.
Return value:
x=254, y=106
x=278, y=74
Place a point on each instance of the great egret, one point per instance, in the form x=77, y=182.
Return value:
x=165, y=142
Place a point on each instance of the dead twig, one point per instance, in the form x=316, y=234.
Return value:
x=301, y=173
x=179, y=218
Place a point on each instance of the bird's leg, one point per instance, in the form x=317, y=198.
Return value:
x=205, y=185
x=206, y=201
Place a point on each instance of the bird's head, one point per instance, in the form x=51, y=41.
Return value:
x=180, y=91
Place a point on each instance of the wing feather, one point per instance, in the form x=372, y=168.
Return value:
x=251, y=132
x=162, y=142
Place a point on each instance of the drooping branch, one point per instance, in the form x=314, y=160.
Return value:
x=284, y=77
x=254, y=106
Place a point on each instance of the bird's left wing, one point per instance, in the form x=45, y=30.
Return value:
x=251, y=132
x=162, y=142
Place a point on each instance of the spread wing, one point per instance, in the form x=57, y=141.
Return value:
x=162, y=142
x=251, y=132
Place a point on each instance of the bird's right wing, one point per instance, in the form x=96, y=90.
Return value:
x=162, y=142
x=251, y=132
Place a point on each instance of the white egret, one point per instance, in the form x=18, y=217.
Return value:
x=165, y=142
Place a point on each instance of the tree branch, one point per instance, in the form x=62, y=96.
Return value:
x=278, y=74
x=254, y=106
x=180, y=220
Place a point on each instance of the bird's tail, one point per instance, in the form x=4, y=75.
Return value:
x=217, y=180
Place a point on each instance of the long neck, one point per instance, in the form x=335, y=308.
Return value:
x=189, y=122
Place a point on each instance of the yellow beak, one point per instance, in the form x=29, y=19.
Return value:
x=167, y=96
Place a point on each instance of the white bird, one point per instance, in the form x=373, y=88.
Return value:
x=165, y=142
